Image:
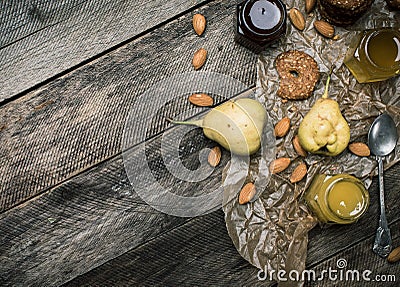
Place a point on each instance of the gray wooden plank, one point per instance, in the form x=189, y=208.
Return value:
x=87, y=221
x=77, y=120
x=41, y=39
x=200, y=253
x=96, y=215
x=352, y=262
x=21, y=19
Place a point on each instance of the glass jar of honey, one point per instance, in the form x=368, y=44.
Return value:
x=259, y=23
x=374, y=55
x=341, y=198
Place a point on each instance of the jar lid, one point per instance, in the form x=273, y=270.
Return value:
x=264, y=18
x=347, y=197
x=382, y=49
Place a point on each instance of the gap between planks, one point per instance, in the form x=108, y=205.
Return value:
x=97, y=56
x=27, y=140
x=116, y=155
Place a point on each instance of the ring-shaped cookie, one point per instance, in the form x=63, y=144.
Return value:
x=298, y=74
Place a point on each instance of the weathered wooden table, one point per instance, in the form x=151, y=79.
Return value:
x=70, y=71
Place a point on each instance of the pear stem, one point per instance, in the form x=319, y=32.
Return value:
x=189, y=123
x=326, y=94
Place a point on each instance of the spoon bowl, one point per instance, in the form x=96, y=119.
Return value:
x=382, y=138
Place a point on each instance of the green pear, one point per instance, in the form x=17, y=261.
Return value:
x=235, y=125
x=324, y=130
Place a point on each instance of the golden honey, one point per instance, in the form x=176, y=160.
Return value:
x=374, y=55
x=339, y=199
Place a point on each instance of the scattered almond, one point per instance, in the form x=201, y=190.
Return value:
x=282, y=127
x=199, y=58
x=298, y=173
x=199, y=24
x=394, y=256
x=324, y=28
x=279, y=165
x=297, y=147
x=201, y=100
x=360, y=149
x=214, y=157
x=297, y=19
x=43, y=105
x=310, y=5
x=247, y=193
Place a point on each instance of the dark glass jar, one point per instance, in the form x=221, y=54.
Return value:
x=259, y=23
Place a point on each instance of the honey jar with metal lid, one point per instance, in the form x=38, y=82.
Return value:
x=259, y=23
x=341, y=198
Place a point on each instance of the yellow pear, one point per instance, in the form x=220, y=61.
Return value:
x=324, y=130
x=235, y=125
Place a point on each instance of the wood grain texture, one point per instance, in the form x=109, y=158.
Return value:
x=97, y=216
x=22, y=19
x=41, y=39
x=77, y=120
x=359, y=257
x=199, y=253
x=93, y=218
x=84, y=225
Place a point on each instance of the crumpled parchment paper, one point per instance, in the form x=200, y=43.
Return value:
x=272, y=232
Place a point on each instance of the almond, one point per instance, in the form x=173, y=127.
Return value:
x=201, y=100
x=360, y=149
x=298, y=173
x=394, y=256
x=282, y=127
x=247, y=193
x=297, y=19
x=199, y=58
x=199, y=24
x=310, y=5
x=297, y=147
x=214, y=157
x=324, y=28
x=279, y=165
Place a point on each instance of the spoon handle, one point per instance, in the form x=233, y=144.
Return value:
x=383, y=241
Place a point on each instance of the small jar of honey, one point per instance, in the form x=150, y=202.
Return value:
x=341, y=198
x=374, y=55
x=259, y=23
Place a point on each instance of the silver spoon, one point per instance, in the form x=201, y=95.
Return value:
x=382, y=138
